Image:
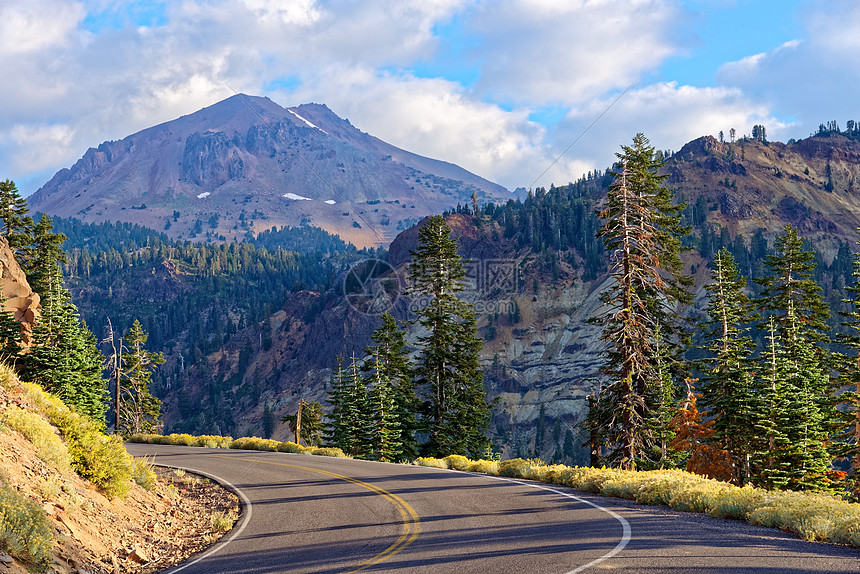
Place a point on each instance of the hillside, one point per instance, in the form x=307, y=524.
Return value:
x=53, y=519
x=538, y=272
x=246, y=164
x=814, y=184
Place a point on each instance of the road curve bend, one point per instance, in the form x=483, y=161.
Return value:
x=336, y=516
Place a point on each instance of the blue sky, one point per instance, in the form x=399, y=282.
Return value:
x=499, y=87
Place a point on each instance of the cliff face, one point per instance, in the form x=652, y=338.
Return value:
x=18, y=298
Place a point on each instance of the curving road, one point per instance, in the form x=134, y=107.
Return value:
x=326, y=515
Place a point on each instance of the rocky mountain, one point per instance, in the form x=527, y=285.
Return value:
x=246, y=164
x=814, y=184
x=536, y=273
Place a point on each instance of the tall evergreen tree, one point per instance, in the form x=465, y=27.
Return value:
x=140, y=411
x=385, y=429
x=64, y=356
x=15, y=223
x=728, y=386
x=350, y=424
x=848, y=426
x=641, y=236
x=800, y=363
x=455, y=411
x=391, y=365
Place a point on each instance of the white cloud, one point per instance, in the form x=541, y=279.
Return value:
x=76, y=89
x=37, y=24
x=273, y=12
x=540, y=52
x=36, y=147
x=808, y=81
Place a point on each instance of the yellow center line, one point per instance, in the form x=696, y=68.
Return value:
x=411, y=521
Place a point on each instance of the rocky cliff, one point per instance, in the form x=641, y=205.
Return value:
x=18, y=298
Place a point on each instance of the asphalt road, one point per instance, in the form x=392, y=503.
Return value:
x=318, y=514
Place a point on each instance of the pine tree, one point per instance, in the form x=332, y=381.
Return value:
x=641, y=236
x=847, y=429
x=10, y=337
x=455, y=411
x=350, y=424
x=800, y=363
x=268, y=421
x=15, y=225
x=385, y=430
x=64, y=356
x=391, y=364
x=728, y=382
x=663, y=398
x=140, y=411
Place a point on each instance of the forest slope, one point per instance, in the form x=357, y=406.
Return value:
x=536, y=269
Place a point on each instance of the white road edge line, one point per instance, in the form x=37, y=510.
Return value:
x=235, y=532
x=625, y=526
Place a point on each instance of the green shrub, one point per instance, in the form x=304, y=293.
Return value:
x=291, y=447
x=255, y=443
x=457, y=462
x=142, y=438
x=25, y=532
x=484, y=466
x=100, y=459
x=48, y=489
x=41, y=434
x=182, y=440
x=214, y=441
x=222, y=522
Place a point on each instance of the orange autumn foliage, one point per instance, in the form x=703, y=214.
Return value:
x=691, y=435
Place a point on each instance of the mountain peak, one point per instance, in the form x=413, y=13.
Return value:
x=246, y=164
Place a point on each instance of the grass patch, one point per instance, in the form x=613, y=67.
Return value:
x=327, y=451
x=243, y=443
x=222, y=522
x=811, y=516
x=143, y=474
x=431, y=462
x=41, y=434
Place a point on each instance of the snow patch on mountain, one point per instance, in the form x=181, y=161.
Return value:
x=296, y=197
x=307, y=122
x=330, y=201
x=203, y=195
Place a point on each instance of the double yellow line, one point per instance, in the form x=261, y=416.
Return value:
x=411, y=522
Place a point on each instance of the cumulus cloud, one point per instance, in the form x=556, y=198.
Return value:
x=568, y=52
x=808, y=81
x=77, y=84
x=37, y=25
x=39, y=146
